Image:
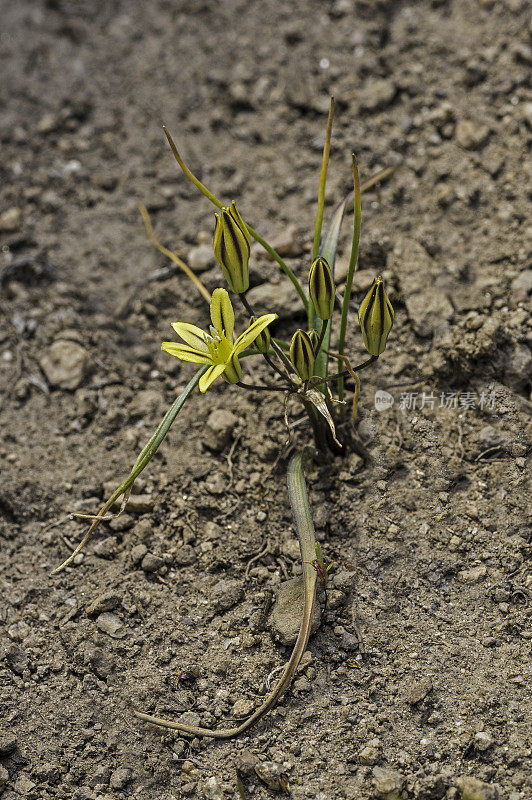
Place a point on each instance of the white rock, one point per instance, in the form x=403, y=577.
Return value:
x=201, y=258
x=65, y=364
x=10, y=220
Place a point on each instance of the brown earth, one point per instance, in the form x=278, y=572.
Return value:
x=417, y=682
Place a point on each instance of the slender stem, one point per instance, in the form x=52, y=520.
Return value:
x=272, y=364
x=265, y=388
x=347, y=372
x=302, y=513
x=171, y=255
x=377, y=178
x=284, y=266
x=323, y=331
x=321, y=198
x=273, y=343
x=353, y=261
x=218, y=203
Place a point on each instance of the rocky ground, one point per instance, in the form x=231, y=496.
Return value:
x=417, y=683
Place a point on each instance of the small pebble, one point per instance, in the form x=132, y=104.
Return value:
x=226, y=594
x=219, y=429
x=65, y=364
x=10, y=220
x=473, y=575
x=201, y=258
x=120, y=778
x=386, y=781
x=368, y=756
x=471, y=135
x=242, y=708
x=483, y=740
x=152, y=563
x=104, y=602
x=111, y=625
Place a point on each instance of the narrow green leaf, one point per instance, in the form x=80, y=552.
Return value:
x=353, y=264
x=321, y=198
x=145, y=456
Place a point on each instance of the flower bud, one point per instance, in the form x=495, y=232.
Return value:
x=302, y=354
x=321, y=288
x=231, y=248
x=314, y=340
x=233, y=371
x=376, y=318
x=262, y=342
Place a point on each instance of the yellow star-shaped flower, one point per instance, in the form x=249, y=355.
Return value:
x=217, y=347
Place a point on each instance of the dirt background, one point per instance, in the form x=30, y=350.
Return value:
x=415, y=684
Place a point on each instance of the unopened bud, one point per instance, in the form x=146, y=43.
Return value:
x=321, y=288
x=232, y=248
x=302, y=354
x=262, y=342
x=314, y=340
x=376, y=318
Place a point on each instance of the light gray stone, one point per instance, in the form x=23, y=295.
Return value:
x=110, y=624
x=220, y=424
x=387, y=782
x=276, y=298
x=285, y=618
x=225, y=595
x=473, y=575
x=470, y=134
x=10, y=220
x=65, y=364
x=120, y=778
x=521, y=288
x=285, y=242
x=377, y=94
x=201, y=258
x=483, y=740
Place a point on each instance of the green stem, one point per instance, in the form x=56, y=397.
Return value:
x=323, y=331
x=321, y=199
x=260, y=388
x=302, y=514
x=218, y=203
x=274, y=346
x=345, y=373
x=353, y=262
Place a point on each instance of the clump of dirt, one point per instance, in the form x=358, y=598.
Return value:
x=415, y=684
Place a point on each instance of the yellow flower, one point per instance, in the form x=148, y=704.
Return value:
x=217, y=347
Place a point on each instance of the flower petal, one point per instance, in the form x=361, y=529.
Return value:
x=210, y=376
x=186, y=353
x=249, y=336
x=222, y=314
x=191, y=334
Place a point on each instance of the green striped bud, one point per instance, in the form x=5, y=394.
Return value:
x=302, y=354
x=376, y=318
x=321, y=288
x=262, y=342
x=314, y=340
x=231, y=248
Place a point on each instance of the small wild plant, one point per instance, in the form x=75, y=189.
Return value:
x=312, y=368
